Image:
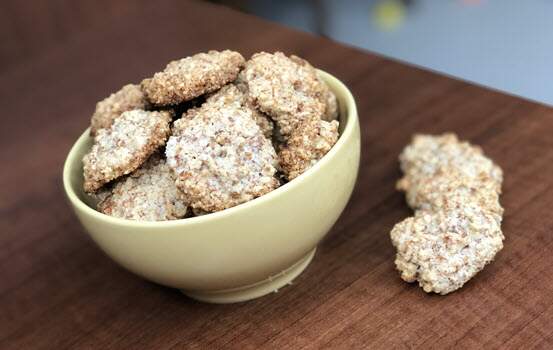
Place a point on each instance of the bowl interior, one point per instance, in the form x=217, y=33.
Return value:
x=73, y=168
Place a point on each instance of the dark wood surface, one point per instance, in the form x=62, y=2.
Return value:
x=58, y=290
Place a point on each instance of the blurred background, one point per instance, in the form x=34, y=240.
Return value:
x=502, y=44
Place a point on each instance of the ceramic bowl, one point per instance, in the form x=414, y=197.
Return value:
x=239, y=253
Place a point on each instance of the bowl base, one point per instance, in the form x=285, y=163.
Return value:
x=256, y=290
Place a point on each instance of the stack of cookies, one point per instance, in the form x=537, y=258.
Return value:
x=207, y=133
x=456, y=230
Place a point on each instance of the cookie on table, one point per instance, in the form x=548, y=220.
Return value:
x=147, y=194
x=190, y=77
x=123, y=147
x=287, y=89
x=442, y=250
x=220, y=156
x=238, y=93
x=306, y=146
x=451, y=190
x=428, y=155
x=129, y=97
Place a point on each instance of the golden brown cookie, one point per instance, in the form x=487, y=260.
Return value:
x=122, y=148
x=190, y=77
x=287, y=89
x=238, y=93
x=456, y=229
x=220, y=156
x=307, y=144
x=129, y=97
x=147, y=194
x=428, y=155
x=442, y=250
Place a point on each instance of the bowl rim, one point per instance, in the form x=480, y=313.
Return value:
x=347, y=133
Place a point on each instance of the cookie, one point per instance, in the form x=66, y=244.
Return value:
x=238, y=93
x=286, y=89
x=122, y=148
x=452, y=190
x=428, y=155
x=190, y=77
x=220, y=156
x=442, y=250
x=327, y=96
x=306, y=146
x=147, y=194
x=128, y=98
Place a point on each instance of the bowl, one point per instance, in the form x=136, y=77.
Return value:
x=240, y=253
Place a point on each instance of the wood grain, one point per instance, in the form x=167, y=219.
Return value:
x=57, y=290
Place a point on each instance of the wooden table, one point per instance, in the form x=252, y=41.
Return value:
x=58, y=290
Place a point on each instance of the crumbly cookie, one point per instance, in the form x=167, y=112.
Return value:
x=442, y=250
x=128, y=98
x=452, y=190
x=123, y=147
x=306, y=145
x=238, y=93
x=456, y=229
x=190, y=77
x=147, y=194
x=287, y=89
x=220, y=156
x=428, y=155
x=327, y=96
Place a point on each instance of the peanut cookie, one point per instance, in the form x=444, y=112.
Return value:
x=123, y=147
x=287, y=89
x=128, y=98
x=307, y=145
x=327, y=97
x=190, y=77
x=456, y=229
x=147, y=194
x=442, y=250
x=452, y=190
x=428, y=155
x=238, y=93
x=220, y=156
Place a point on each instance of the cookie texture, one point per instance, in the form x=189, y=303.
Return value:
x=307, y=145
x=454, y=189
x=327, y=97
x=287, y=89
x=128, y=98
x=428, y=155
x=238, y=94
x=190, y=77
x=442, y=250
x=122, y=148
x=220, y=156
x=147, y=194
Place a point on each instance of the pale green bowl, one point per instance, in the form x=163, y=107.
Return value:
x=239, y=253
